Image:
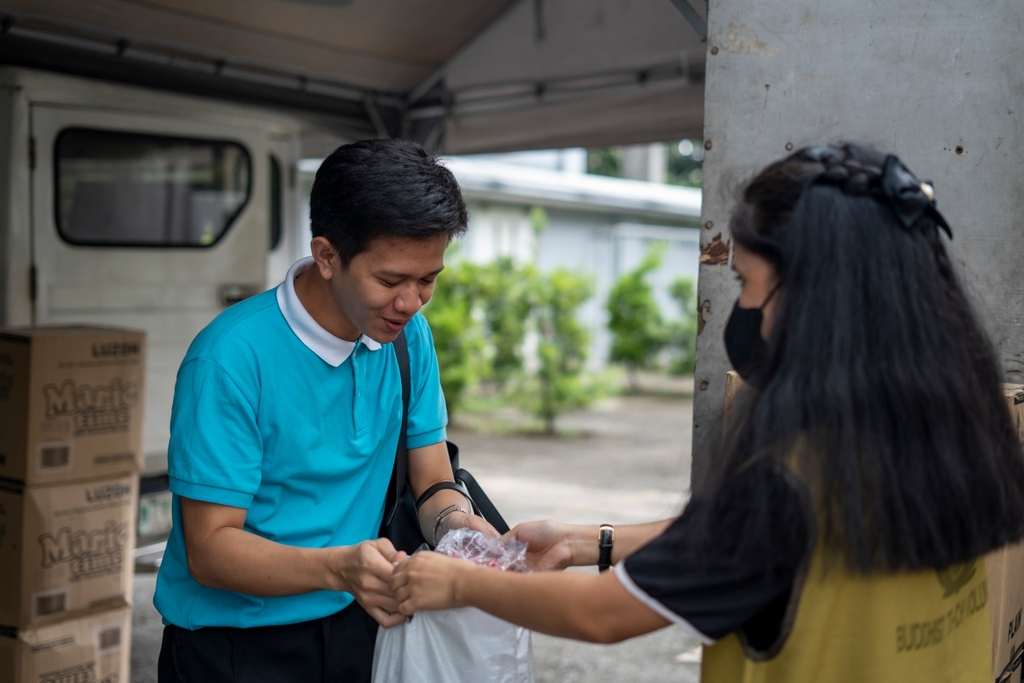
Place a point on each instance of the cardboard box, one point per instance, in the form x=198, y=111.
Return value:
x=1005, y=569
x=65, y=550
x=70, y=403
x=91, y=649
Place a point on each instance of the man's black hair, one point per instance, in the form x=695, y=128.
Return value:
x=383, y=188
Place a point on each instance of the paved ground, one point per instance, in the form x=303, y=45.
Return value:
x=628, y=460
x=146, y=630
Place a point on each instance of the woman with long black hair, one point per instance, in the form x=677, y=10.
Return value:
x=869, y=466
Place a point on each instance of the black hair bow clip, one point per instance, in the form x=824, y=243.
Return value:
x=909, y=197
x=823, y=154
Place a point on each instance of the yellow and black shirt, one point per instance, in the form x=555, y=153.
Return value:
x=784, y=616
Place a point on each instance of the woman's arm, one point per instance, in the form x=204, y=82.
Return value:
x=556, y=546
x=578, y=605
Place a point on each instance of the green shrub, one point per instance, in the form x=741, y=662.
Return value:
x=458, y=336
x=558, y=383
x=506, y=291
x=683, y=332
x=480, y=317
x=638, y=330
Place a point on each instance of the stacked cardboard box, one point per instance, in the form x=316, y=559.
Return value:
x=70, y=452
x=1005, y=569
x=94, y=648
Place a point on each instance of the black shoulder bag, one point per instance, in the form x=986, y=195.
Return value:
x=401, y=523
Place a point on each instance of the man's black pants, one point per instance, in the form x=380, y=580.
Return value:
x=335, y=649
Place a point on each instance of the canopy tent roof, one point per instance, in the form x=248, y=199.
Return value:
x=485, y=75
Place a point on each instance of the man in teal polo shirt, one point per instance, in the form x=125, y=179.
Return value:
x=286, y=417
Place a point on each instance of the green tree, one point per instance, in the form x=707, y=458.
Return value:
x=685, y=163
x=605, y=161
x=538, y=219
x=505, y=297
x=683, y=332
x=635, y=321
x=558, y=384
x=458, y=336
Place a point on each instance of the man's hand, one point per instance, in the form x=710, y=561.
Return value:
x=548, y=544
x=428, y=581
x=457, y=520
x=365, y=570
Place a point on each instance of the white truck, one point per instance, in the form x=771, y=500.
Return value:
x=140, y=209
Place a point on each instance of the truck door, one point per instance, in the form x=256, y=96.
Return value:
x=287, y=242
x=149, y=223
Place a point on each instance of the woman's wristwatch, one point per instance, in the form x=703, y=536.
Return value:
x=605, y=539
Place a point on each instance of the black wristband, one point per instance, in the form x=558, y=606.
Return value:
x=605, y=539
x=440, y=486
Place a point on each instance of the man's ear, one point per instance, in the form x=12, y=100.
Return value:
x=324, y=254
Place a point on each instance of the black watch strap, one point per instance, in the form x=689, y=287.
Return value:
x=605, y=540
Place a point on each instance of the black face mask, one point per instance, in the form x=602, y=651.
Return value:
x=746, y=348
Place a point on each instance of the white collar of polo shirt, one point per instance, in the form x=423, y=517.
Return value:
x=331, y=349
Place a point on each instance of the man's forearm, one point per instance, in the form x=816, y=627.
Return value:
x=236, y=560
x=428, y=466
x=435, y=505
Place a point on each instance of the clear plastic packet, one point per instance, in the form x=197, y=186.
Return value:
x=478, y=548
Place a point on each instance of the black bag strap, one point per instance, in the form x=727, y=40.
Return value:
x=484, y=507
x=464, y=480
x=397, y=487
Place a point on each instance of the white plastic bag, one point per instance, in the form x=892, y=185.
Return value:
x=459, y=645
x=453, y=646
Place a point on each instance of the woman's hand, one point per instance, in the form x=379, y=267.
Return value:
x=428, y=581
x=548, y=544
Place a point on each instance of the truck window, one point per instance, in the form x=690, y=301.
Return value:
x=275, y=202
x=133, y=190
